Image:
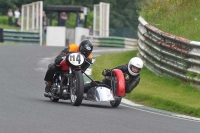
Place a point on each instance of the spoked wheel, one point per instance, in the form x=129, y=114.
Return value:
x=116, y=102
x=76, y=92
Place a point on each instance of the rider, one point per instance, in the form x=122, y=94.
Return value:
x=131, y=75
x=85, y=47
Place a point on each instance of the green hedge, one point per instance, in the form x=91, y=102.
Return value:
x=4, y=20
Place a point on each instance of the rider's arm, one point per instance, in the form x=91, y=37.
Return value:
x=131, y=84
x=107, y=72
x=60, y=57
x=86, y=64
x=65, y=51
x=123, y=68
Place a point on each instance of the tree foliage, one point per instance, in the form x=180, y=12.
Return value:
x=123, y=17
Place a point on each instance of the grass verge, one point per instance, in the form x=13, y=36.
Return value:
x=154, y=90
x=9, y=27
x=178, y=17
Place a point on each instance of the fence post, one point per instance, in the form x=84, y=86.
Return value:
x=1, y=35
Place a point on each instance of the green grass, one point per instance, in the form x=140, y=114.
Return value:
x=178, y=17
x=181, y=18
x=4, y=26
x=154, y=90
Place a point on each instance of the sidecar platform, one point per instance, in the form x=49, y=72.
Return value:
x=99, y=93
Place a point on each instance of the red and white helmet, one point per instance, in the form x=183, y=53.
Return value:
x=136, y=62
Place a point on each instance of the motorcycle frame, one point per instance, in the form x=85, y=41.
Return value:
x=69, y=80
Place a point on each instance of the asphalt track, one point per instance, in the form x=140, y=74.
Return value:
x=24, y=109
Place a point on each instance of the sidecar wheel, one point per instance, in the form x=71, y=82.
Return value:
x=116, y=102
x=54, y=99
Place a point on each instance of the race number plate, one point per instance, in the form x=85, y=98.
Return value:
x=76, y=59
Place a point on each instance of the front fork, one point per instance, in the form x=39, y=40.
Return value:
x=70, y=78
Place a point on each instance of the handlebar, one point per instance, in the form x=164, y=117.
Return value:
x=88, y=62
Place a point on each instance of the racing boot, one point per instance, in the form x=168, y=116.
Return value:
x=47, y=89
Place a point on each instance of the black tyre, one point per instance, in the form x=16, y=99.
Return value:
x=116, y=102
x=77, y=90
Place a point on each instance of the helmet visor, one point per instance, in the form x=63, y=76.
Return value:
x=88, y=48
x=134, y=69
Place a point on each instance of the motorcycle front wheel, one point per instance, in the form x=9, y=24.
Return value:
x=77, y=90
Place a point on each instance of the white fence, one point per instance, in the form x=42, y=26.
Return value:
x=101, y=19
x=31, y=19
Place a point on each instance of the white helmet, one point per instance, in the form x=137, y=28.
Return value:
x=136, y=62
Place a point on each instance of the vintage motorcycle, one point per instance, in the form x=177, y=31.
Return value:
x=69, y=84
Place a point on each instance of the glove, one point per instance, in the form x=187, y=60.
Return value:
x=105, y=72
x=51, y=64
x=126, y=77
x=59, y=59
x=64, y=57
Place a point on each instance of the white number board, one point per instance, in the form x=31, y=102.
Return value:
x=76, y=59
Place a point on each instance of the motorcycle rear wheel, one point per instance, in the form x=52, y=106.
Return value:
x=76, y=92
x=116, y=102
